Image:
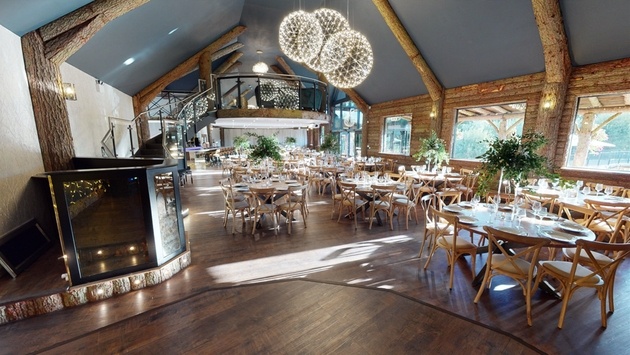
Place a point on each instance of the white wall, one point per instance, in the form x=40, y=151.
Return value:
x=300, y=135
x=20, y=156
x=89, y=113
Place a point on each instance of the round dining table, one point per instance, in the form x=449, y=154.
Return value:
x=562, y=233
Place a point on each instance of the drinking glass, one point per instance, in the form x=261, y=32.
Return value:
x=536, y=206
x=608, y=191
x=555, y=183
x=521, y=213
x=475, y=201
x=579, y=184
x=494, y=208
x=586, y=190
x=599, y=187
x=542, y=213
x=542, y=183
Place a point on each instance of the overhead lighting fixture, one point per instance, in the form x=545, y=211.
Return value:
x=357, y=65
x=260, y=67
x=69, y=93
x=325, y=43
x=129, y=61
x=331, y=22
x=301, y=37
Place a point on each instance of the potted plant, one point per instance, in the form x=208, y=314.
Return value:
x=513, y=158
x=266, y=147
x=241, y=143
x=289, y=141
x=330, y=144
x=432, y=151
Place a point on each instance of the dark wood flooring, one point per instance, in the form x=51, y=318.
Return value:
x=324, y=289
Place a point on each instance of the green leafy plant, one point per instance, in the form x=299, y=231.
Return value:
x=266, y=147
x=514, y=157
x=330, y=144
x=241, y=143
x=432, y=150
x=289, y=140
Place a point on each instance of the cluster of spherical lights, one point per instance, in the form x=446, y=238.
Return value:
x=324, y=42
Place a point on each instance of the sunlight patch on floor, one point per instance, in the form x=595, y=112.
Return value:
x=299, y=264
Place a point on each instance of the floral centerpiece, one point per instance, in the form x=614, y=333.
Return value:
x=513, y=158
x=432, y=151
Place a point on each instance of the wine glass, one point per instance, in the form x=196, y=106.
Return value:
x=555, y=183
x=608, y=190
x=536, y=206
x=586, y=190
x=579, y=184
x=475, y=201
x=521, y=213
x=599, y=187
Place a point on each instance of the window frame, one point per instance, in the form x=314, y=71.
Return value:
x=456, y=122
x=404, y=152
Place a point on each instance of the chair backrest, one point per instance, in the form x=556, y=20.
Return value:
x=446, y=224
x=448, y=197
x=610, y=213
x=297, y=196
x=426, y=202
x=606, y=271
x=228, y=195
x=513, y=247
x=383, y=192
x=546, y=200
x=464, y=171
x=348, y=191
x=262, y=195
x=570, y=212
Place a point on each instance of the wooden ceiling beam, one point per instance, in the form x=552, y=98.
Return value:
x=435, y=88
x=284, y=65
x=228, y=63
x=64, y=36
x=144, y=96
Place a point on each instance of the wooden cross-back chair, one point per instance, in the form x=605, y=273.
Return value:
x=446, y=237
x=513, y=256
x=600, y=276
x=350, y=202
x=610, y=214
x=382, y=200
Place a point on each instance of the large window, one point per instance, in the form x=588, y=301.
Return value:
x=347, y=120
x=396, y=135
x=473, y=125
x=599, y=137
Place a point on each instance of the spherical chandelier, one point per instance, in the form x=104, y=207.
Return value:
x=260, y=67
x=301, y=36
x=331, y=22
x=357, y=65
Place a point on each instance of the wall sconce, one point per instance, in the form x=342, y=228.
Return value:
x=69, y=93
x=547, y=104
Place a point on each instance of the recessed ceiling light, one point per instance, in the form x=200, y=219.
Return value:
x=173, y=30
x=129, y=61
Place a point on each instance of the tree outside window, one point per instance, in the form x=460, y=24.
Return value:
x=474, y=125
x=599, y=138
x=396, y=135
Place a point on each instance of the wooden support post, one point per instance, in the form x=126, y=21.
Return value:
x=557, y=71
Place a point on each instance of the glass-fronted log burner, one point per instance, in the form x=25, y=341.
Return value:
x=116, y=221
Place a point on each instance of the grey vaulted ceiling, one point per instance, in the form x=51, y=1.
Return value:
x=463, y=41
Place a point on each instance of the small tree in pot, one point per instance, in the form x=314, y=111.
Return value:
x=513, y=158
x=432, y=151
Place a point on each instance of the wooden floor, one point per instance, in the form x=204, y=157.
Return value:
x=325, y=289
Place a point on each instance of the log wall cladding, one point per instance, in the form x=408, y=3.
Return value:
x=584, y=81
